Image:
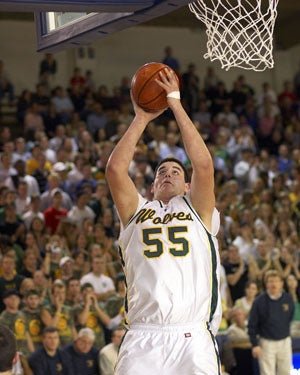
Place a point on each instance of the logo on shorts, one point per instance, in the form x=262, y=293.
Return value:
x=187, y=335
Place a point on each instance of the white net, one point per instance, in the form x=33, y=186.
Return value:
x=240, y=32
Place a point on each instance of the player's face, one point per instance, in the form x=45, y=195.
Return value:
x=84, y=344
x=169, y=181
x=51, y=341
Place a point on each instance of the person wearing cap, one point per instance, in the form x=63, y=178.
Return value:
x=49, y=359
x=55, y=212
x=32, y=313
x=8, y=350
x=66, y=267
x=83, y=353
x=62, y=170
x=60, y=315
x=14, y=319
x=108, y=355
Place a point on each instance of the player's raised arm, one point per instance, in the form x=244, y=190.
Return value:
x=202, y=181
x=121, y=186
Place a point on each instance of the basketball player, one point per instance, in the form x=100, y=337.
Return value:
x=169, y=254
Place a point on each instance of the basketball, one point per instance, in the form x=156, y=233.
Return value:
x=145, y=91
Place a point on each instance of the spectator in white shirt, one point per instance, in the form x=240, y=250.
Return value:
x=102, y=284
x=81, y=210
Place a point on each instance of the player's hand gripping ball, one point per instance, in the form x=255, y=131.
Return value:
x=145, y=91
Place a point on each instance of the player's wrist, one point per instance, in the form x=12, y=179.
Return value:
x=174, y=95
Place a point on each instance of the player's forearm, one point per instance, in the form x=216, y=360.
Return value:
x=192, y=140
x=124, y=150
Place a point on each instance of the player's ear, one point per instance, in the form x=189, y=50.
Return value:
x=152, y=188
x=187, y=187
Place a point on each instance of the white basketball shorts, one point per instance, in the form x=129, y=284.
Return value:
x=168, y=350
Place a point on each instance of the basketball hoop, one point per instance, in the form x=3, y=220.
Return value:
x=240, y=32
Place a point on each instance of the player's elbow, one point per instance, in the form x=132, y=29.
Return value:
x=205, y=169
x=207, y=162
x=111, y=170
x=204, y=163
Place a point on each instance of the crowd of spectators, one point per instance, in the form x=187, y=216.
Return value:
x=58, y=227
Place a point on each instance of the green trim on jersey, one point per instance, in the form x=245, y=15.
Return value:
x=215, y=287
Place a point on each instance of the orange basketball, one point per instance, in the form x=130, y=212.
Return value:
x=145, y=91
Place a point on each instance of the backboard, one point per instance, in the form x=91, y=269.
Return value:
x=61, y=26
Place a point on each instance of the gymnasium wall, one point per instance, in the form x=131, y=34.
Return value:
x=122, y=53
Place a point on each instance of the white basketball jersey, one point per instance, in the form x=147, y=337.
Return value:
x=171, y=264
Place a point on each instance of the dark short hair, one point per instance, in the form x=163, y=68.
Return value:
x=170, y=159
x=8, y=348
x=86, y=285
x=49, y=329
x=10, y=292
x=33, y=292
x=72, y=278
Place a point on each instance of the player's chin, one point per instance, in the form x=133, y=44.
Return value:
x=166, y=186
